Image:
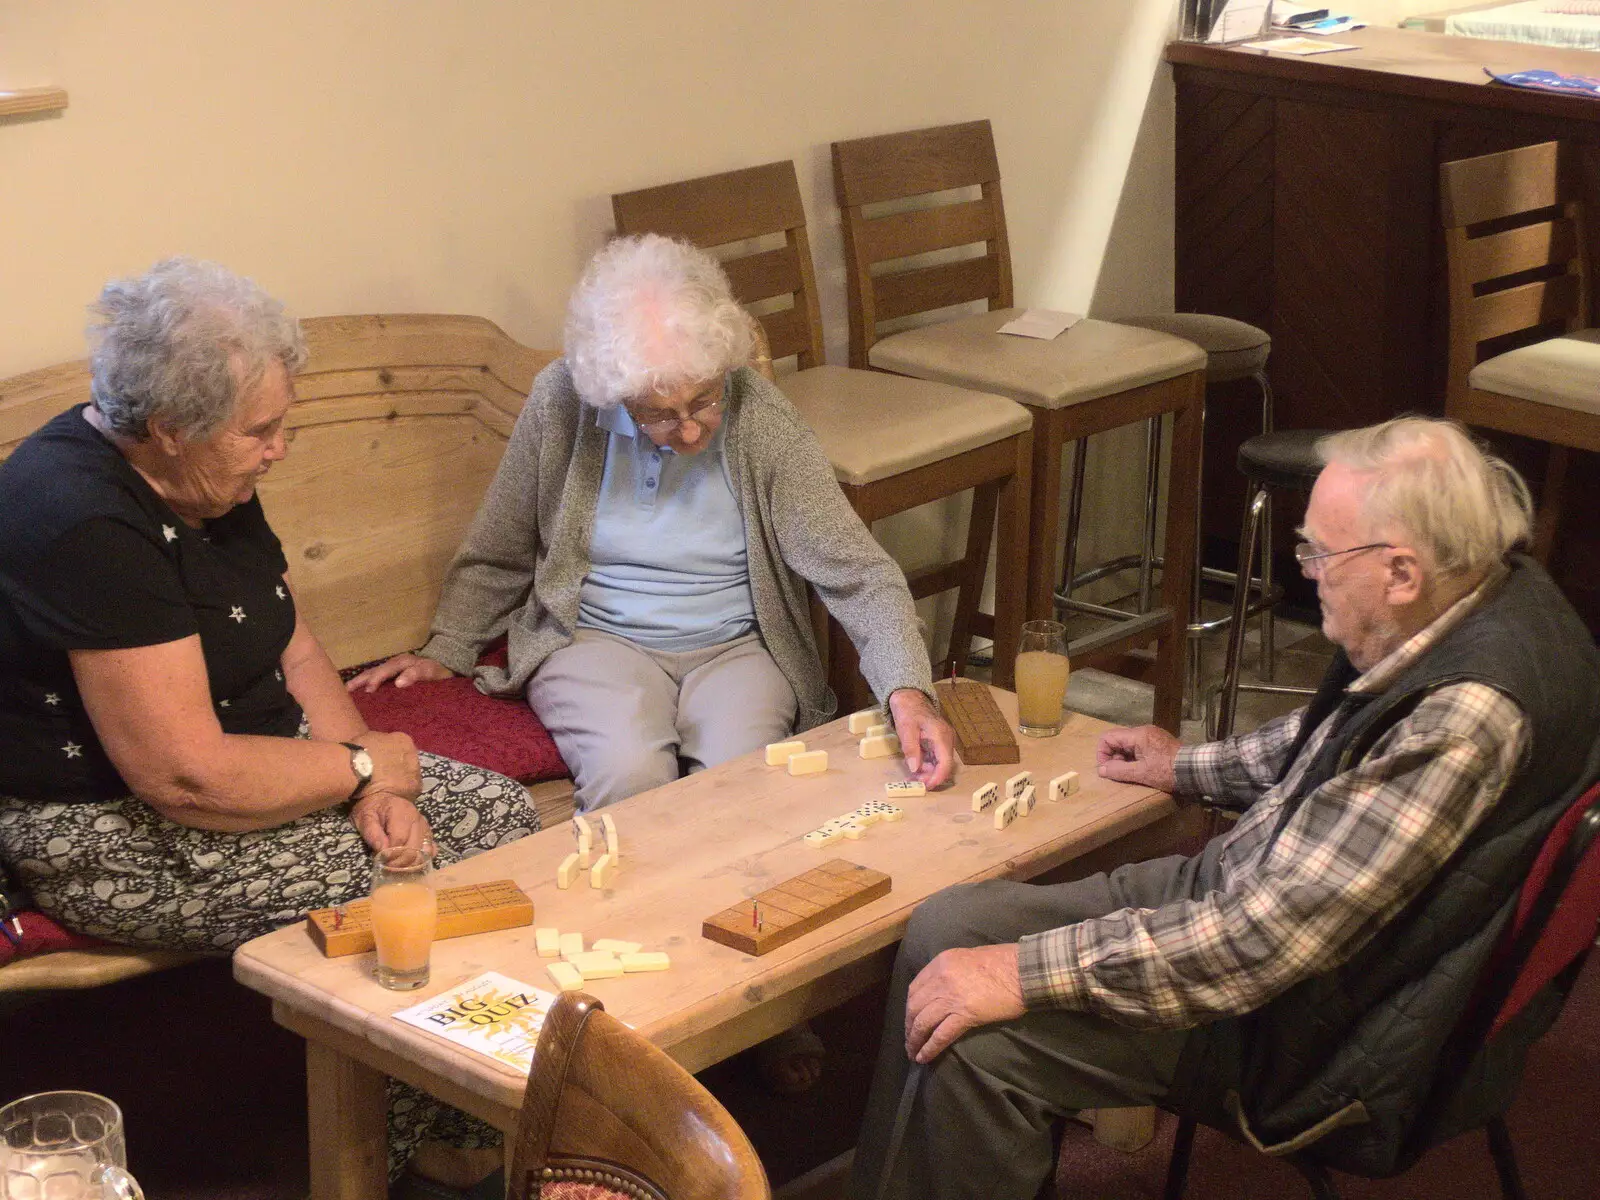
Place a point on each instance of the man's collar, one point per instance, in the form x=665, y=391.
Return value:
x=615, y=418
x=1386, y=670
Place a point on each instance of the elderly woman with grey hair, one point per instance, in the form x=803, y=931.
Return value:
x=180, y=765
x=647, y=543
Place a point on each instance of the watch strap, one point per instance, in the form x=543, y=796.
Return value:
x=361, y=780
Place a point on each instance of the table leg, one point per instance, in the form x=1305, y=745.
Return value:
x=346, y=1106
x=1177, y=575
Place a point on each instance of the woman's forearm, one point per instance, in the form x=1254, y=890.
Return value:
x=246, y=782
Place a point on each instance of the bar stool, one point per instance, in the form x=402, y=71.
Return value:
x=1234, y=350
x=1286, y=458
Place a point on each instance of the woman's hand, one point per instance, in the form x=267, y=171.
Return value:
x=385, y=819
x=404, y=669
x=395, y=767
x=926, y=739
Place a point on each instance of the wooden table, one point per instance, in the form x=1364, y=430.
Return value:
x=1306, y=203
x=688, y=850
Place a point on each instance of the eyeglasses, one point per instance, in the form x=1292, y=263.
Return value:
x=705, y=411
x=1307, y=553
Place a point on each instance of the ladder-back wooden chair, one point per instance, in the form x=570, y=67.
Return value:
x=608, y=1115
x=1522, y=357
x=894, y=443
x=1094, y=377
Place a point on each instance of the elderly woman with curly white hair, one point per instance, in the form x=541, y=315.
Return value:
x=647, y=544
x=180, y=765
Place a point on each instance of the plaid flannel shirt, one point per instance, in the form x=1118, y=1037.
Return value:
x=1299, y=904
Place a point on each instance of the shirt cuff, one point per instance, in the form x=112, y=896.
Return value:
x=458, y=656
x=1047, y=965
x=1197, y=770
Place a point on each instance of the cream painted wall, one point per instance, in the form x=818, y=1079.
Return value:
x=458, y=155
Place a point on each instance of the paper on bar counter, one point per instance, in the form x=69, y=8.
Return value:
x=492, y=1014
x=1040, y=323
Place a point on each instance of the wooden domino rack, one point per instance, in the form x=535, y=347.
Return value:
x=473, y=908
x=796, y=906
x=983, y=735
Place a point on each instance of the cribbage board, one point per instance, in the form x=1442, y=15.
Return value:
x=473, y=908
x=983, y=735
x=796, y=906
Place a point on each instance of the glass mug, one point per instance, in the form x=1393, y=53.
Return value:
x=1041, y=671
x=404, y=913
x=64, y=1146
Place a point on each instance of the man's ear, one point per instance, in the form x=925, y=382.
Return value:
x=168, y=442
x=1405, y=582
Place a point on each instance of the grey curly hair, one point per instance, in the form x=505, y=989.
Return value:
x=1460, y=505
x=182, y=343
x=649, y=316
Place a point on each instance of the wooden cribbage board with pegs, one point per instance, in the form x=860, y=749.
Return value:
x=983, y=735
x=796, y=906
x=472, y=908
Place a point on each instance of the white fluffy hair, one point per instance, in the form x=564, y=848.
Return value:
x=1463, y=508
x=649, y=316
x=182, y=343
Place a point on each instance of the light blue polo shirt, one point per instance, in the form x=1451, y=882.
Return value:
x=668, y=567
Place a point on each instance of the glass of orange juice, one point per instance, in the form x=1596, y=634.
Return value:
x=404, y=912
x=1042, y=670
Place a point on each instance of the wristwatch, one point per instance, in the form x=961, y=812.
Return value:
x=361, y=764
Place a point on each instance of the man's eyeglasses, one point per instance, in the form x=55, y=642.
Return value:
x=706, y=410
x=1307, y=553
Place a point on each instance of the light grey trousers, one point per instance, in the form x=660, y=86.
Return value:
x=977, y=1121
x=628, y=719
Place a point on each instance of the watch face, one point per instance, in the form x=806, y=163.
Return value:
x=362, y=762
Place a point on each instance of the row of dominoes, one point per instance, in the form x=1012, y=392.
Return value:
x=602, y=870
x=1020, y=795
x=853, y=825
x=605, y=959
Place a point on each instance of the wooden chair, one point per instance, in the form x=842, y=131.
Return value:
x=607, y=1111
x=1095, y=377
x=1519, y=278
x=894, y=443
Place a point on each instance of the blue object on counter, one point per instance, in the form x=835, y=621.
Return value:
x=1548, y=81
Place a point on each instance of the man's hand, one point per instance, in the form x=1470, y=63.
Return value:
x=404, y=669
x=1143, y=755
x=385, y=819
x=926, y=739
x=958, y=991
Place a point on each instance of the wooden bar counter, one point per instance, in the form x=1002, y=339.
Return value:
x=1307, y=204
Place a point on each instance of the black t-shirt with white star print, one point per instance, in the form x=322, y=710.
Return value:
x=92, y=559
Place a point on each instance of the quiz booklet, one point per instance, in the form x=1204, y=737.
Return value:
x=492, y=1014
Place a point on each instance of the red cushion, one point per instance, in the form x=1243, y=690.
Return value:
x=453, y=718
x=29, y=932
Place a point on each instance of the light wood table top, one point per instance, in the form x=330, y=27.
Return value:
x=689, y=850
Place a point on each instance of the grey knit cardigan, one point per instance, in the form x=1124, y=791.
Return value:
x=526, y=555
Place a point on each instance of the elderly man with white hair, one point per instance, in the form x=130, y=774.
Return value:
x=1298, y=978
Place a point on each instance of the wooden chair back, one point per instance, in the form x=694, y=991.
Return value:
x=605, y=1107
x=896, y=167
x=1515, y=248
x=398, y=425
x=718, y=211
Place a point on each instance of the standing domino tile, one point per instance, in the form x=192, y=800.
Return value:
x=583, y=835
x=779, y=753
x=566, y=976
x=880, y=747
x=608, y=827
x=905, y=787
x=650, y=960
x=877, y=731
x=864, y=720
x=812, y=763
x=615, y=946
x=1063, y=786
x=985, y=796
x=548, y=941
x=571, y=943
x=604, y=872
x=1017, y=782
x=1006, y=813
x=1025, y=801
x=565, y=872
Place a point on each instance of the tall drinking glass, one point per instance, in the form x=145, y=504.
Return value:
x=64, y=1146
x=404, y=913
x=1042, y=670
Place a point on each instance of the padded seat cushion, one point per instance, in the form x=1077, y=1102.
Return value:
x=453, y=718
x=873, y=425
x=1234, y=349
x=1563, y=372
x=31, y=932
x=1090, y=360
x=1285, y=458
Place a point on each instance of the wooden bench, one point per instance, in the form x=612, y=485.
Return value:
x=398, y=425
